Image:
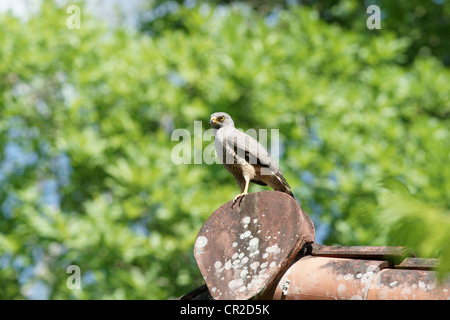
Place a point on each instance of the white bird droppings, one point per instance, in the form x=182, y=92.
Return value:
x=234, y=284
x=201, y=242
x=246, y=234
x=273, y=249
x=254, y=265
x=253, y=243
x=246, y=220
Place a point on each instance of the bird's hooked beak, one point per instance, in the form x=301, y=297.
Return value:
x=213, y=120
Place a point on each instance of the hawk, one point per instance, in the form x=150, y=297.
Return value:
x=245, y=158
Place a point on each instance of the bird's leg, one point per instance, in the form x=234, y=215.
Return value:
x=243, y=193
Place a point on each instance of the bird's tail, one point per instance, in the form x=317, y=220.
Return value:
x=286, y=187
x=289, y=192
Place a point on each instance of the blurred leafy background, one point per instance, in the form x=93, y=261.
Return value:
x=86, y=118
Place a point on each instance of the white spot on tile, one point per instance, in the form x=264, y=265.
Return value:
x=273, y=249
x=234, y=284
x=246, y=220
x=254, y=265
x=201, y=242
x=253, y=244
x=244, y=235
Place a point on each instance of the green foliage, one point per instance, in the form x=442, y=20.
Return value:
x=424, y=23
x=86, y=118
x=414, y=223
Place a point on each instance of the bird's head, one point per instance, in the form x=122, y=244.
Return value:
x=221, y=119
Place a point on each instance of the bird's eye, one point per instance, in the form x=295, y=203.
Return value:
x=221, y=118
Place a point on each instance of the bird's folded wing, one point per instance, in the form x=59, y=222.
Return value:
x=249, y=149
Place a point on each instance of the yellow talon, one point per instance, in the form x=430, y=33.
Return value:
x=240, y=195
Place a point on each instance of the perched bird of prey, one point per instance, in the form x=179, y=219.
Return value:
x=244, y=157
